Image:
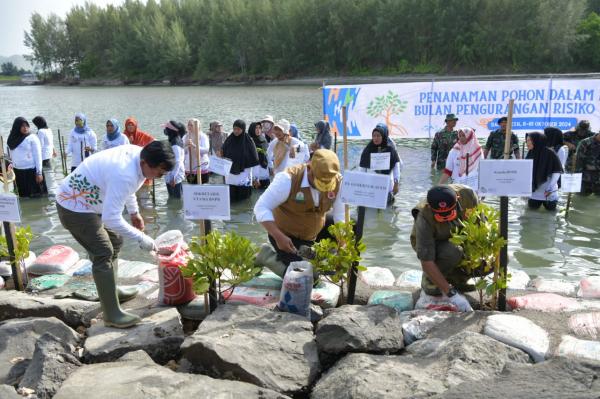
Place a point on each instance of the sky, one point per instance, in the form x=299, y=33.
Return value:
x=15, y=14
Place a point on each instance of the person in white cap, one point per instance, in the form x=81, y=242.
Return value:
x=267, y=123
x=285, y=151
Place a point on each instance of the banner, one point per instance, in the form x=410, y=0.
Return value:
x=418, y=109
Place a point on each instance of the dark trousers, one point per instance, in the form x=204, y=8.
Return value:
x=535, y=204
x=192, y=179
x=26, y=184
x=239, y=193
x=175, y=191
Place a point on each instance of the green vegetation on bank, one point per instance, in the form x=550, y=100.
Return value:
x=206, y=39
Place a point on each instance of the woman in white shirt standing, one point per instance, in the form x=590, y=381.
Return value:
x=26, y=153
x=46, y=138
x=240, y=149
x=191, y=142
x=462, y=164
x=284, y=150
x=82, y=141
x=175, y=131
x=113, y=136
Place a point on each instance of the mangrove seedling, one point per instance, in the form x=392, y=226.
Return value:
x=334, y=257
x=481, y=242
x=225, y=259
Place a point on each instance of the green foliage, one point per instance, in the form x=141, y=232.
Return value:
x=481, y=241
x=227, y=259
x=334, y=257
x=23, y=237
x=3, y=247
x=588, y=48
x=389, y=103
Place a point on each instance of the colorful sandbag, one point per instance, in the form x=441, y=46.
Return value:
x=263, y=297
x=398, y=300
x=325, y=294
x=174, y=289
x=55, y=260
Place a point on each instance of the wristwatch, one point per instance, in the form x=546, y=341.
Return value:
x=451, y=292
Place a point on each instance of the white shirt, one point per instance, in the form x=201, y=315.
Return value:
x=121, y=140
x=47, y=140
x=77, y=143
x=178, y=172
x=28, y=154
x=279, y=191
x=104, y=184
x=394, y=176
x=549, y=185
x=192, y=166
x=243, y=179
x=453, y=166
x=563, y=154
x=302, y=156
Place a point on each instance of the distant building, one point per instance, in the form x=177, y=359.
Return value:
x=29, y=79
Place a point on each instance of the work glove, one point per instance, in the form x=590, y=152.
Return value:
x=147, y=244
x=461, y=303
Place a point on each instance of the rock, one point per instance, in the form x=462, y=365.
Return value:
x=356, y=328
x=519, y=332
x=466, y=356
x=14, y=305
x=140, y=380
x=270, y=349
x=8, y=392
x=136, y=356
x=316, y=313
x=160, y=335
x=53, y=361
x=553, y=379
x=423, y=347
x=18, y=339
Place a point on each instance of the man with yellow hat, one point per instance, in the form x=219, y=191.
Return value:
x=293, y=209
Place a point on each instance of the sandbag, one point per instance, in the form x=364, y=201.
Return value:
x=325, y=294
x=589, y=287
x=556, y=286
x=169, y=238
x=585, y=324
x=518, y=279
x=265, y=280
x=55, y=260
x=263, y=297
x=82, y=268
x=398, y=300
x=296, y=289
x=409, y=278
x=416, y=324
x=47, y=282
x=6, y=270
x=377, y=277
x=545, y=302
x=430, y=302
x=520, y=333
x=2, y=282
x=133, y=268
x=174, y=289
x=578, y=348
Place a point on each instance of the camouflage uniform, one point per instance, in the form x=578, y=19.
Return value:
x=588, y=163
x=495, y=144
x=575, y=137
x=442, y=143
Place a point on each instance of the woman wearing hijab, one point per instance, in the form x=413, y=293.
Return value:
x=216, y=137
x=323, y=137
x=113, y=137
x=462, y=164
x=26, y=153
x=46, y=138
x=295, y=133
x=240, y=149
x=546, y=172
x=192, y=142
x=135, y=135
x=175, y=131
x=379, y=145
x=261, y=171
x=555, y=141
x=285, y=151
x=82, y=141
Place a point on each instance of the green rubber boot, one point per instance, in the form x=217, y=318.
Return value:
x=267, y=257
x=114, y=316
x=124, y=294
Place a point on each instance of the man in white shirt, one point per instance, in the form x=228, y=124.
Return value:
x=90, y=203
x=293, y=209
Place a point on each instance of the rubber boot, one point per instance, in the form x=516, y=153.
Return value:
x=124, y=294
x=267, y=257
x=114, y=316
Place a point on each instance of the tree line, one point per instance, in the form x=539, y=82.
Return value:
x=185, y=40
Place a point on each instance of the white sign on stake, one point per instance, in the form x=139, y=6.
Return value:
x=206, y=202
x=365, y=189
x=380, y=161
x=505, y=177
x=570, y=182
x=9, y=208
x=220, y=166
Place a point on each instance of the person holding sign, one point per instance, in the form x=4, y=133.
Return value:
x=192, y=141
x=90, y=203
x=293, y=209
x=380, y=157
x=462, y=164
x=240, y=149
x=588, y=163
x=284, y=150
x=494, y=146
x=435, y=218
x=82, y=141
x=443, y=141
x=546, y=172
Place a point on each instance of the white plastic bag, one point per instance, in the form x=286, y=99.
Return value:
x=579, y=348
x=520, y=333
x=297, y=289
x=430, y=302
x=416, y=324
x=377, y=277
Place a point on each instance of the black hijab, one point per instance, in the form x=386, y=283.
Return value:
x=175, y=135
x=15, y=138
x=261, y=144
x=40, y=122
x=240, y=149
x=545, y=160
x=554, y=138
x=365, y=158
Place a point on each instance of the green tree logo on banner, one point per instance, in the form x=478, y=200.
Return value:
x=385, y=107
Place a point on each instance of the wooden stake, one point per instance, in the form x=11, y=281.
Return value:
x=570, y=196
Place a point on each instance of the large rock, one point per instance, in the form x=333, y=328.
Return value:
x=141, y=380
x=14, y=305
x=160, y=335
x=466, y=356
x=271, y=349
x=356, y=328
x=18, y=338
x=53, y=361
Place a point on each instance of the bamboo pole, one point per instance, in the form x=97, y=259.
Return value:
x=570, y=196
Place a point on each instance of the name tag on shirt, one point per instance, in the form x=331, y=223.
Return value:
x=380, y=161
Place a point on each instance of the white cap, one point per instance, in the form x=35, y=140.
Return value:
x=283, y=125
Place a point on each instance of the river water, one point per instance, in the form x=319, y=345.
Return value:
x=540, y=242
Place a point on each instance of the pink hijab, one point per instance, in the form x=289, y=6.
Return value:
x=471, y=147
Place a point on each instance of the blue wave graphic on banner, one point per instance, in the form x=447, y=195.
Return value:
x=333, y=101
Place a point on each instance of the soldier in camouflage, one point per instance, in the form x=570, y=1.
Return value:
x=588, y=163
x=494, y=146
x=573, y=138
x=443, y=141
